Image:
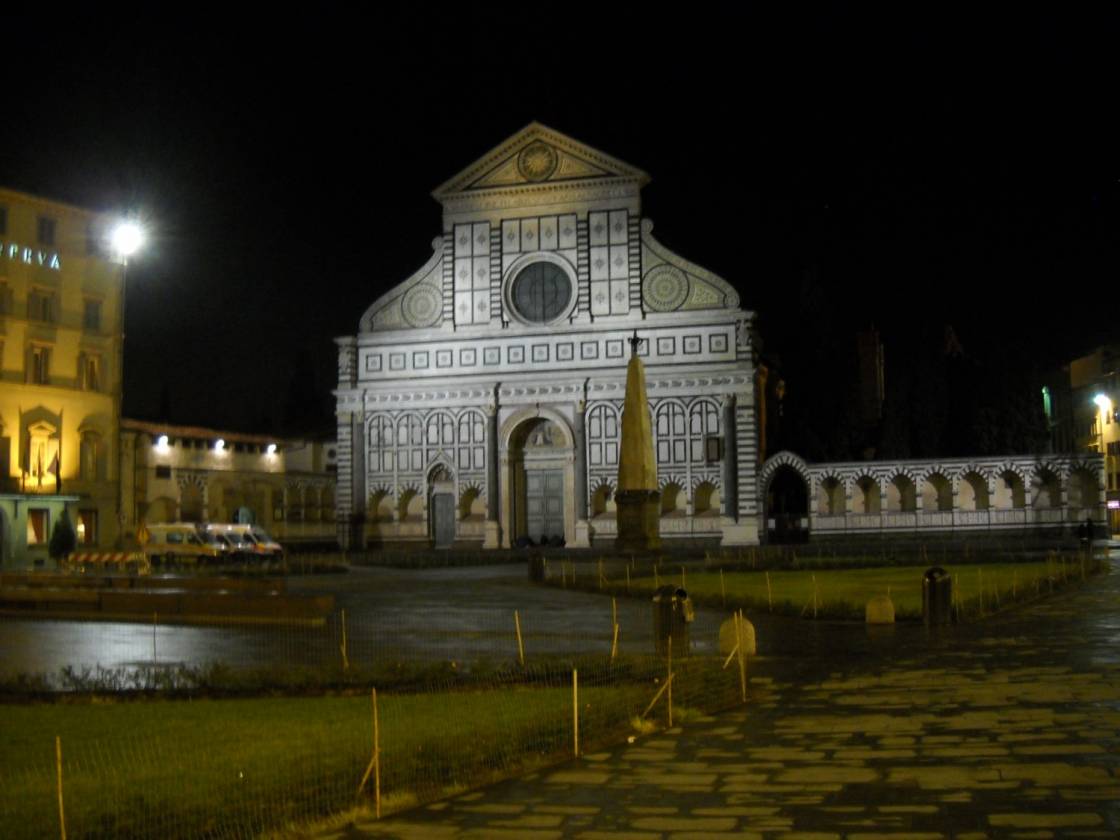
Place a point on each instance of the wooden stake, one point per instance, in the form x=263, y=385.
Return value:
x=769, y=594
x=58, y=765
x=656, y=578
x=657, y=696
x=614, y=611
x=374, y=765
x=669, y=680
x=734, y=650
x=342, y=647
x=682, y=578
x=575, y=711
x=627, y=580
x=520, y=646
x=722, y=589
x=155, y=618
x=742, y=661
x=376, y=758
x=600, y=574
x=614, y=644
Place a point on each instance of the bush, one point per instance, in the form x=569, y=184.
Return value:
x=63, y=539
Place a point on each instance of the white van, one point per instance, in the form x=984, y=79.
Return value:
x=250, y=541
x=178, y=544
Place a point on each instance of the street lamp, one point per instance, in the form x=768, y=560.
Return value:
x=1105, y=406
x=125, y=238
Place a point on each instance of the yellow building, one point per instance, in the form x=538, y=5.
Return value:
x=192, y=474
x=60, y=377
x=1094, y=382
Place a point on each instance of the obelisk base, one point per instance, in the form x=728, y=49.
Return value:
x=639, y=516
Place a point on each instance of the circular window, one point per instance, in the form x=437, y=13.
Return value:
x=541, y=292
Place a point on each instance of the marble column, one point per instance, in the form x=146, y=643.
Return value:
x=730, y=459
x=582, y=538
x=492, y=534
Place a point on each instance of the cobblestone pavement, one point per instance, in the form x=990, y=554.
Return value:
x=1009, y=728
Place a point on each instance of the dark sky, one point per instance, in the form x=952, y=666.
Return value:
x=906, y=171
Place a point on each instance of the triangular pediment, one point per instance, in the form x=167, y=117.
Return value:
x=538, y=156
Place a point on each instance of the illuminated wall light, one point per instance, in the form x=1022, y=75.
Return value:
x=219, y=445
x=271, y=449
x=1103, y=402
x=162, y=442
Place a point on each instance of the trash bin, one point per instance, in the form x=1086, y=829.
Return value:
x=672, y=613
x=536, y=569
x=937, y=596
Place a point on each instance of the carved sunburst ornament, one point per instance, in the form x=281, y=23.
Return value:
x=665, y=288
x=537, y=161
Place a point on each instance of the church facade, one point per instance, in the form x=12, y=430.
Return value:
x=480, y=400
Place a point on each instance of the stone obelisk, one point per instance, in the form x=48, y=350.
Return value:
x=638, y=501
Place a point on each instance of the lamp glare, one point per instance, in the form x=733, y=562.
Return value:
x=127, y=238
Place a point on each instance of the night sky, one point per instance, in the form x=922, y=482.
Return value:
x=841, y=171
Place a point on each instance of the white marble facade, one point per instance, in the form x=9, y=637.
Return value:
x=480, y=400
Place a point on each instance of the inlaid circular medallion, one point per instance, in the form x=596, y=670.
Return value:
x=665, y=288
x=421, y=306
x=537, y=161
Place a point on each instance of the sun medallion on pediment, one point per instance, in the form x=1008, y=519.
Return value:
x=537, y=161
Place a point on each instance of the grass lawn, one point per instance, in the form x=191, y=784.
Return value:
x=843, y=593
x=210, y=767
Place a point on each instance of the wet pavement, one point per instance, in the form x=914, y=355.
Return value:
x=450, y=614
x=1009, y=728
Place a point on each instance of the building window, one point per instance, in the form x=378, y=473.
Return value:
x=46, y=230
x=93, y=246
x=91, y=315
x=40, y=306
x=3, y=220
x=90, y=457
x=5, y=299
x=38, y=526
x=602, y=436
x=87, y=527
x=89, y=372
x=163, y=471
x=39, y=365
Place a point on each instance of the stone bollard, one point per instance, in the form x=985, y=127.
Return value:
x=880, y=610
x=727, y=638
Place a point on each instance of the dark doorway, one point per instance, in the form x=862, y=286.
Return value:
x=443, y=520
x=787, y=507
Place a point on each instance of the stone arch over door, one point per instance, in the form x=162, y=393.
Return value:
x=785, y=483
x=194, y=499
x=537, y=476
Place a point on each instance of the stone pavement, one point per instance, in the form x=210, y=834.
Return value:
x=1009, y=728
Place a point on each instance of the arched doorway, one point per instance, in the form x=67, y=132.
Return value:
x=787, y=507
x=441, y=506
x=539, y=487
